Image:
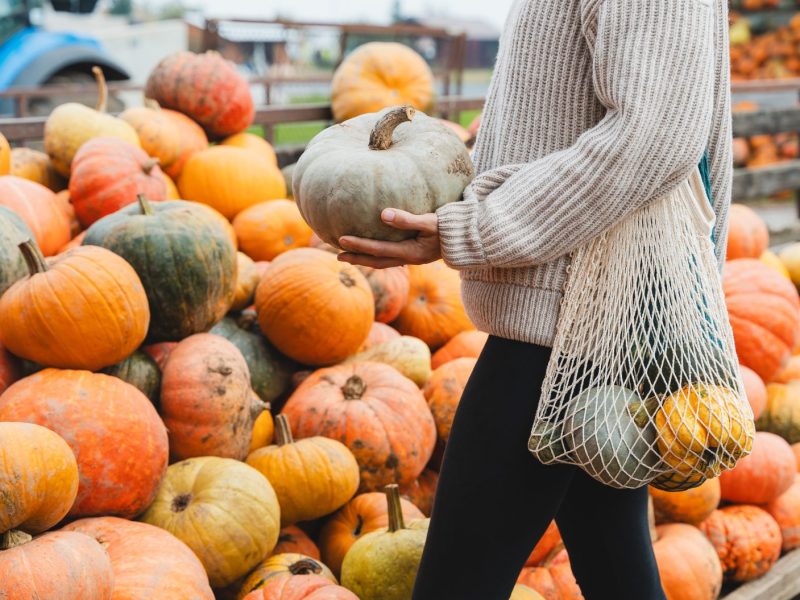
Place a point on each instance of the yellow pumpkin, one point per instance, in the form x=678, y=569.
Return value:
x=409, y=355
x=5, y=156
x=285, y=564
x=771, y=259
x=247, y=278
x=263, y=431
x=36, y=166
x=172, y=189
x=254, y=143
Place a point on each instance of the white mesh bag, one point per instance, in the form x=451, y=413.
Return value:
x=643, y=385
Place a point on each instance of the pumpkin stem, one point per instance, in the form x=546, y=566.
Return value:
x=246, y=320
x=102, y=89
x=257, y=405
x=396, y=521
x=305, y=566
x=144, y=204
x=381, y=136
x=181, y=502
x=149, y=165
x=33, y=257
x=283, y=432
x=354, y=388
x=14, y=537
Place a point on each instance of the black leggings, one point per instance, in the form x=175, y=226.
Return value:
x=494, y=499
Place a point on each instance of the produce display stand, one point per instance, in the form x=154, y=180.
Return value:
x=781, y=582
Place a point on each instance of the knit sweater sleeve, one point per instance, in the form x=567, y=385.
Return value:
x=653, y=65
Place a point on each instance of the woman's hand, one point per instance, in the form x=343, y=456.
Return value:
x=380, y=255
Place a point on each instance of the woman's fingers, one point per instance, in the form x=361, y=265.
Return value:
x=357, y=245
x=376, y=262
x=401, y=219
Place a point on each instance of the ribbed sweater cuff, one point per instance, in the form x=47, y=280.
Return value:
x=458, y=235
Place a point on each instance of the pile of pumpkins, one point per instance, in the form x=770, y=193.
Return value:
x=771, y=55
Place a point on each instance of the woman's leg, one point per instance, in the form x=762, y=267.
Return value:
x=606, y=533
x=493, y=500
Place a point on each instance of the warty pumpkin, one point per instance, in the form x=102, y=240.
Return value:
x=390, y=289
x=253, y=143
x=38, y=208
x=158, y=133
x=42, y=319
x=692, y=506
x=687, y=563
x=36, y=166
x=763, y=475
x=205, y=87
x=207, y=403
x=184, y=257
x=38, y=477
x=147, y=561
x=293, y=540
x=247, y=278
x=785, y=509
x=421, y=491
x=108, y=174
x=13, y=231
x=62, y=564
x=71, y=125
x=443, y=393
x=95, y=413
x=409, y=355
x=306, y=294
x=378, y=334
x=224, y=510
x=283, y=566
x=301, y=587
x=268, y=229
x=397, y=158
x=755, y=390
x=141, y=371
x=373, y=410
x=748, y=235
x=377, y=75
x=467, y=344
x=782, y=413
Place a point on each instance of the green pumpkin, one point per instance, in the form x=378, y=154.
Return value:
x=184, y=257
x=270, y=371
x=382, y=565
x=141, y=371
x=13, y=231
x=675, y=368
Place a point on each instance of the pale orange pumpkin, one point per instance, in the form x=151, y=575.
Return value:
x=65, y=203
x=691, y=506
x=443, y=393
x=763, y=475
x=172, y=189
x=268, y=229
x=773, y=261
x=158, y=133
x=687, y=563
x=748, y=236
x=465, y=344
x=39, y=208
x=755, y=390
x=36, y=166
x=378, y=334
x=191, y=138
x=785, y=509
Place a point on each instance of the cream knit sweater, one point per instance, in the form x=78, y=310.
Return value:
x=595, y=108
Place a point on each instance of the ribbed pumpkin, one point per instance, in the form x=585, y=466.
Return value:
x=13, y=231
x=791, y=372
x=362, y=515
x=62, y=565
x=253, y=143
x=108, y=174
x=96, y=413
x=422, y=491
x=774, y=262
x=191, y=138
x=268, y=229
x=36, y=166
x=5, y=155
x=747, y=540
x=782, y=413
x=38, y=208
x=548, y=544
x=304, y=296
x=785, y=509
x=692, y=506
x=284, y=566
x=377, y=75
x=229, y=179
x=71, y=125
x=687, y=563
x=764, y=311
x=390, y=288
x=247, y=278
x=224, y=510
x=312, y=477
x=207, y=88
x=141, y=371
x=294, y=540
x=184, y=257
x=10, y=369
x=434, y=312
x=270, y=373
x=467, y=344
x=44, y=320
x=375, y=411
x=409, y=355
x=748, y=235
x=443, y=393
x=38, y=477
x=158, y=134
x=763, y=475
x=147, y=561
x=755, y=390
x=301, y=587
x=207, y=403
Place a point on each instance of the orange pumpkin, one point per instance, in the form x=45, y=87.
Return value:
x=35, y=166
x=687, y=563
x=9, y=369
x=748, y=235
x=376, y=412
x=390, y=289
x=421, y=491
x=157, y=132
x=304, y=296
x=764, y=311
x=443, y=393
x=66, y=205
x=363, y=514
x=553, y=578
x=172, y=189
x=465, y=344
x=789, y=373
x=263, y=431
x=755, y=390
x=741, y=151
x=191, y=138
x=378, y=334
x=763, y=475
x=434, y=312
x=691, y=506
x=268, y=229
x=796, y=450
x=547, y=544
x=293, y=540
x=301, y=587
x=40, y=210
x=73, y=243
x=5, y=155
x=282, y=567
x=254, y=143
x=160, y=352
x=785, y=509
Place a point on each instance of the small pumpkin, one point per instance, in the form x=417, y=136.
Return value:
x=301, y=587
x=390, y=288
x=141, y=371
x=782, y=413
x=443, y=393
x=407, y=354
x=268, y=229
x=755, y=390
x=341, y=182
x=207, y=403
x=687, y=563
x=254, y=143
x=38, y=207
x=773, y=261
x=304, y=295
x=356, y=404
x=692, y=506
x=312, y=477
x=13, y=231
x=377, y=75
x=284, y=566
x=44, y=320
x=748, y=236
x=294, y=540
x=785, y=509
x=263, y=431
x=763, y=475
x=158, y=133
x=108, y=174
x=467, y=344
x=38, y=477
x=422, y=491
x=35, y=166
x=191, y=138
x=160, y=352
x=378, y=334
x=223, y=509
x=71, y=125
x=434, y=312
x=147, y=561
x=247, y=278
x=95, y=413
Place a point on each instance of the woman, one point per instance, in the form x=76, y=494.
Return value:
x=595, y=108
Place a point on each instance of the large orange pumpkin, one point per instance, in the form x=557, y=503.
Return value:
x=692, y=506
x=785, y=509
x=378, y=75
x=748, y=235
x=268, y=229
x=307, y=294
x=118, y=438
x=467, y=344
x=763, y=475
x=39, y=209
x=36, y=166
x=764, y=311
x=301, y=587
x=434, y=312
x=147, y=561
x=755, y=390
x=294, y=540
x=443, y=393
x=687, y=563
x=376, y=412
x=390, y=288
x=87, y=309
x=191, y=139
x=253, y=143
x=422, y=491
